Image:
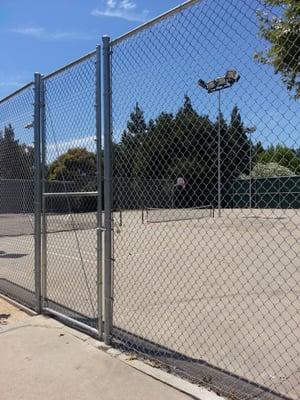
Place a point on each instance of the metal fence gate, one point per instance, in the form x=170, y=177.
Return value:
x=72, y=206
x=177, y=238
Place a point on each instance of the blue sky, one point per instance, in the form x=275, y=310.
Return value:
x=40, y=35
x=155, y=68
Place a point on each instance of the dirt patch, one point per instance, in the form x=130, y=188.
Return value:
x=10, y=313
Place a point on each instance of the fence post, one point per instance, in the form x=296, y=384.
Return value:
x=43, y=200
x=37, y=189
x=107, y=188
x=99, y=196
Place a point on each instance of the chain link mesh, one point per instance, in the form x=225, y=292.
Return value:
x=205, y=189
x=210, y=295
x=16, y=196
x=70, y=202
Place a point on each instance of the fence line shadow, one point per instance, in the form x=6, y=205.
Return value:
x=194, y=370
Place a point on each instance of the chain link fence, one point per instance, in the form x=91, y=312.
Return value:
x=16, y=196
x=210, y=295
x=195, y=187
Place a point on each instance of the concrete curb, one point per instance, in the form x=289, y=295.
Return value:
x=197, y=392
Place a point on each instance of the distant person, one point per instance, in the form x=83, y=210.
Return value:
x=180, y=193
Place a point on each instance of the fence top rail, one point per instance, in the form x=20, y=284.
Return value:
x=70, y=65
x=154, y=21
x=9, y=96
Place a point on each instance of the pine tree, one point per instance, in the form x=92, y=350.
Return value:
x=16, y=160
x=127, y=152
x=136, y=127
x=239, y=143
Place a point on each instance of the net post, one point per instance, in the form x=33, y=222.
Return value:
x=99, y=193
x=37, y=190
x=107, y=132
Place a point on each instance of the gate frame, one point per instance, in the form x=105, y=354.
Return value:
x=37, y=189
x=41, y=234
x=107, y=133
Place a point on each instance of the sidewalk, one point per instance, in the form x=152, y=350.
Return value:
x=42, y=359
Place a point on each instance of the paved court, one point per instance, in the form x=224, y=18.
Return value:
x=224, y=290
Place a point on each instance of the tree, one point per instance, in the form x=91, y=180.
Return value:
x=283, y=34
x=77, y=170
x=16, y=160
x=239, y=155
x=184, y=145
x=136, y=127
x=76, y=165
x=153, y=157
x=126, y=151
x=281, y=155
x=258, y=150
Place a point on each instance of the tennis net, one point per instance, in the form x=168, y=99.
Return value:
x=156, y=215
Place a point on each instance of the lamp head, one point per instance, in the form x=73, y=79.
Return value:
x=221, y=82
x=212, y=85
x=232, y=76
x=202, y=84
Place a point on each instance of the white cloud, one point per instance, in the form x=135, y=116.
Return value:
x=127, y=4
x=30, y=31
x=111, y=3
x=125, y=9
x=4, y=84
x=55, y=149
x=41, y=33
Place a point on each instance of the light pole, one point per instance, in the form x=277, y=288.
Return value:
x=216, y=85
x=250, y=131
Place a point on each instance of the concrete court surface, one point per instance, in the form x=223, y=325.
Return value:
x=224, y=290
x=42, y=359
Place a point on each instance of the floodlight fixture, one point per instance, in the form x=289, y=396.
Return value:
x=222, y=82
x=212, y=85
x=202, y=84
x=232, y=76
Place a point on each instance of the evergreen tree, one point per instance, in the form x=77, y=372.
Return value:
x=136, y=127
x=16, y=160
x=183, y=145
x=126, y=152
x=239, y=143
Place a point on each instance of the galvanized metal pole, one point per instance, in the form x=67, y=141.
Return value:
x=44, y=199
x=219, y=155
x=250, y=179
x=107, y=127
x=37, y=189
x=99, y=194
